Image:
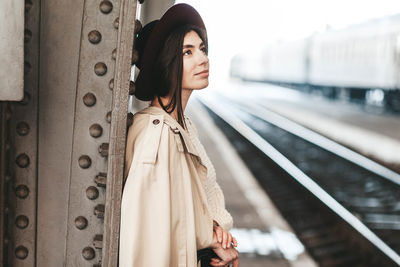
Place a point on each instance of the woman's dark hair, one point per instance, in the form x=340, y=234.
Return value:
x=168, y=69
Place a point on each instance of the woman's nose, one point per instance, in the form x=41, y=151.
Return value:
x=202, y=58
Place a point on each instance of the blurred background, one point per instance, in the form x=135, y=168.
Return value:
x=301, y=121
x=290, y=41
x=325, y=71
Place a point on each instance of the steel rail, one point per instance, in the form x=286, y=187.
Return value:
x=317, y=139
x=222, y=110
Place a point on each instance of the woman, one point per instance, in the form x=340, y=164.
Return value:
x=172, y=209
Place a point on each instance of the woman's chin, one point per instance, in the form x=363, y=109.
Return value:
x=197, y=86
x=202, y=85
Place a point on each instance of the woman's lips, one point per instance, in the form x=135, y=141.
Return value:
x=204, y=73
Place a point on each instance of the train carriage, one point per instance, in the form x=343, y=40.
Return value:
x=361, y=62
x=286, y=62
x=359, y=58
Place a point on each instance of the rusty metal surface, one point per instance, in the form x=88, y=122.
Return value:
x=12, y=49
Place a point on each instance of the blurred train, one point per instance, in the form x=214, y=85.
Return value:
x=359, y=63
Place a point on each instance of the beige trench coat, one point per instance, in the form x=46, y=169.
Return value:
x=164, y=212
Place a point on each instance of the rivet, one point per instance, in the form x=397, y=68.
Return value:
x=106, y=7
x=92, y=192
x=101, y=179
x=22, y=191
x=89, y=99
x=6, y=241
x=26, y=99
x=99, y=211
x=22, y=221
x=111, y=84
x=114, y=54
x=135, y=56
x=88, y=253
x=129, y=119
x=108, y=117
x=116, y=23
x=84, y=161
x=95, y=130
x=22, y=160
x=27, y=35
x=156, y=121
x=141, y=1
x=94, y=37
x=100, y=68
x=28, y=5
x=81, y=222
x=6, y=210
x=103, y=149
x=21, y=252
x=27, y=67
x=98, y=241
x=22, y=128
x=7, y=178
x=138, y=26
x=132, y=88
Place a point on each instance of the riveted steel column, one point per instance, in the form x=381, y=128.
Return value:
x=118, y=131
x=21, y=188
x=91, y=132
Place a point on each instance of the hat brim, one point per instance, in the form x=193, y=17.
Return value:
x=175, y=16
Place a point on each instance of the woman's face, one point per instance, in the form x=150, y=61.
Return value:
x=195, y=62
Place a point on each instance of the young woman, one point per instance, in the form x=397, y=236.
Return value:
x=173, y=210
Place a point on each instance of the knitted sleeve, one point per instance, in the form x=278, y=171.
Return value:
x=216, y=203
x=215, y=196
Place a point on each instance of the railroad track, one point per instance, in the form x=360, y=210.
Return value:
x=343, y=207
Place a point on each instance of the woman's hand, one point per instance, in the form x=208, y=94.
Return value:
x=226, y=256
x=224, y=237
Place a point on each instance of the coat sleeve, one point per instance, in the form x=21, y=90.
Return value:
x=145, y=233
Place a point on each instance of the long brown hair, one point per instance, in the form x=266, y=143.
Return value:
x=168, y=69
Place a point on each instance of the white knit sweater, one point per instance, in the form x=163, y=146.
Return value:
x=215, y=197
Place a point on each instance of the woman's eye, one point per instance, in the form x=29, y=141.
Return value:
x=188, y=52
x=204, y=50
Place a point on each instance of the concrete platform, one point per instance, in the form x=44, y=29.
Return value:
x=368, y=131
x=264, y=237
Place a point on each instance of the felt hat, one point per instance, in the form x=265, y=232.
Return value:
x=150, y=40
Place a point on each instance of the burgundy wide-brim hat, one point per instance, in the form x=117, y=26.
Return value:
x=150, y=41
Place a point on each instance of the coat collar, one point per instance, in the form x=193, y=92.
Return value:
x=175, y=127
